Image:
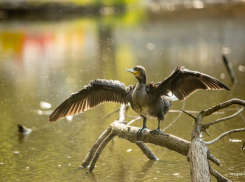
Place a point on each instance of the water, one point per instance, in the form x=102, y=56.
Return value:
x=45, y=61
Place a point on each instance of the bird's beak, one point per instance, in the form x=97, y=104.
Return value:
x=132, y=71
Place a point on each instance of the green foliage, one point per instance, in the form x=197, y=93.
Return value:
x=79, y=2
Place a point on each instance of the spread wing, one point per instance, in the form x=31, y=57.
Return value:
x=97, y=92
x=183, y=82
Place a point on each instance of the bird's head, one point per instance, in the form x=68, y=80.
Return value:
x=139, y=72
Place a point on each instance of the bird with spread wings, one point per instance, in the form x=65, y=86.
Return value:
x=151, y=100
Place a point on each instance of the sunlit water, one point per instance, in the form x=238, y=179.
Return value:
x=47, y=61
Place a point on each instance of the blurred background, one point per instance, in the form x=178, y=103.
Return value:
x=49, y=49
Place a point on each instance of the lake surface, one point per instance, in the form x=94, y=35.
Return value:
x=43, y=62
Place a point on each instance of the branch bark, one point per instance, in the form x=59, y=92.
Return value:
x=197, y=151
x=94, y=148
x=224, y=134
x=120, y=129
x=223, y=105
x=147, y=151
x=99, y=150
x=164, y=140
x=206, y=126
x=198, y=159
x=217, y=175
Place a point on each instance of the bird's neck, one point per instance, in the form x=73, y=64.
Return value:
x=141, y=85
x=142, y=80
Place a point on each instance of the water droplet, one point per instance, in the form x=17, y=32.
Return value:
x=241, y=68
x=222, y=75
x=45, y=105
x=226, y=50
x=150, y=46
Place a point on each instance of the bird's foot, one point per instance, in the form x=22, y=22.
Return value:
x=156, y=131
x=140, y=131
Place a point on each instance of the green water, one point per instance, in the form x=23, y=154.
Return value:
x=45, y=61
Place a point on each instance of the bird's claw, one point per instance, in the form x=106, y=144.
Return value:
x=156, y=131
x=140, y=131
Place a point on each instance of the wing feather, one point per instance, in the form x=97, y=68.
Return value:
x=97, y=92
x=183, y=82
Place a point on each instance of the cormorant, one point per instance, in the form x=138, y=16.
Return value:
x=149, y=101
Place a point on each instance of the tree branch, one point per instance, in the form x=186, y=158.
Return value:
x=122, y=112
x=241, y=115
x=209, y=111
x=94, y=148
x=144, y=148
x=198, y=161
x=224, y=134
x=189, y=114
x=165, y=140
x=113, y=112
x=132, y=121
x=213, y=159
x=122, y=130
x=177, y=117
x=199, y=153
x=99, y=150
x=217, y=175
x=147, y=151
x=206, y=126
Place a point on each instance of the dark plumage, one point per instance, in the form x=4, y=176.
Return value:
x=150, y=101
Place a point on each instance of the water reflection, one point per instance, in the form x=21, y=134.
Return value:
x=144, y=170
x=43, y=62
x=24, y=132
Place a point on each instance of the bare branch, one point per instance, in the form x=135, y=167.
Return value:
x=198, y=161
x=224, y=134
x=241, y=114
x=94, y=148
x=217, y=175
x=113, y=112
x=169, y=141
x=206, y=132
x=205, y=126
x=132, y=117
x=147, y=151
x=189, y=114
x=197, y=112
x=179, y=145
x=174, y=121
x=214, y=159
x=209, y=111
x=229, y=69
x=165, y=140
x=99, y=150
x=122, y=112
x=132, y=121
